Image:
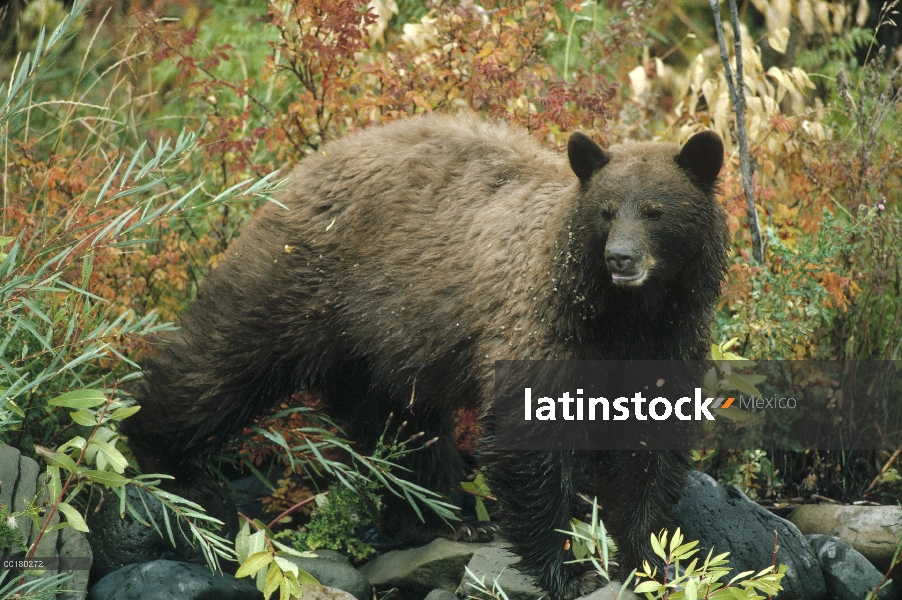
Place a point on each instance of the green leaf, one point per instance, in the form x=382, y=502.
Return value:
x=87, y=267
x=285, y=565
x=58, y=459
x=107, y=478
x=740, y=576
x=254, y=563
x=79, y=399
x=685, y=550
x=14, y=408
x=242, y=542
x=273, y=580
x=647, y=587
x=76, y=521
x=710, y=380
x=738, y=593
x=742, y=384
x=124, y=412
x=676, y=540
x=482, y=514
x=84, y=417
x=732, y=413
x=291, y=551
x=305, y=577
x=55, y=486
x=113, y=456
x=691, y=589
x=716, y=352
x=656, y=547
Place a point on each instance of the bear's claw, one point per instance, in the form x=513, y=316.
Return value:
x=474, y=532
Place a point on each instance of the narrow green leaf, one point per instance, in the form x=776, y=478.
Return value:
x=273, y=580
x=106, y=478
x=79, y=399
x=60, y=460
x=742, y=384
x=76, y=521
x=87, y=267
x=481, y=513
x=124, y=412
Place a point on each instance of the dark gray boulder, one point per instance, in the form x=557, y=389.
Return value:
x=20, y=480
x=172, y=580
x=725, y=519
x=335, y=571
x=847, y=573
x=118, y=541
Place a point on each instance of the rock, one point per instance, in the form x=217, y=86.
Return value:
x=248, y=492
x=493, y=563
x=725, y=519
x=610, y=591
x=335, y=571
x=23, y=485
x=20, y=480
x=9, y=474
x=118, y=541
x=168, y=580
x=321, y=592
x=872, y=530
x=73, y=545
x=441, y=594
x=438, y=564
x=847, y=573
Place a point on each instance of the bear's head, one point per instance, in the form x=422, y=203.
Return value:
x=648, y=209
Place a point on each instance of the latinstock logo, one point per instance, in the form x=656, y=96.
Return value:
x=667, y=405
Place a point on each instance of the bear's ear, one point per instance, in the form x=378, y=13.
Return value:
x=702, y=157
x=586, y=157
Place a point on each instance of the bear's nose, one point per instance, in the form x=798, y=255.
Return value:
x=619, y=258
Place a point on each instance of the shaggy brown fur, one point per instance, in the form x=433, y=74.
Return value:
x=424, y=251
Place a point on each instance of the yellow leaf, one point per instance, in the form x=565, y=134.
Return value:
x=486, y=50
x=638, y=81
x=779, y=39
x=273, y=580
x=254, y=563
x=806, y=16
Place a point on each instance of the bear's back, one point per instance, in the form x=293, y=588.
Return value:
x=396, y=179
x=419, y=237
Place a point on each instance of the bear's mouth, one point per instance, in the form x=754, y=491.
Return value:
x=624, y=278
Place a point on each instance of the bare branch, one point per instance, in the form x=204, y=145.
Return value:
x=737, y=96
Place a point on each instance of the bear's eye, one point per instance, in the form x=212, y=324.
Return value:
x=653, y=214
x=607, y=215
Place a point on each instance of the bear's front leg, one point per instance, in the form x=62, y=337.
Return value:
x=535, y=492
x=637, y=491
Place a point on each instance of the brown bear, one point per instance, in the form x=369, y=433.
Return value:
x=417, y=254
